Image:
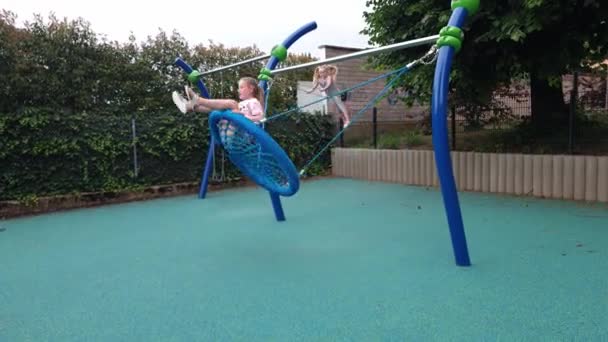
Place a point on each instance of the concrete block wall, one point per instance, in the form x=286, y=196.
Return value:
x=581, y=178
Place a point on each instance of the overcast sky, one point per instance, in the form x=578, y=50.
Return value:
x=231, y=22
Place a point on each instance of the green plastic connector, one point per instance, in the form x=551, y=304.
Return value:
x=452, y=31
x=450, y=41
x=472, y=6
x=280, y=52
x=450, y=36
x=265, y=74
x=194, y=76
x=264, y=78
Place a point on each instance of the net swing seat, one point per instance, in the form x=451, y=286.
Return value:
x=254, y=152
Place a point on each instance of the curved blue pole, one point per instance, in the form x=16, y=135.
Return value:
x=188, y=69
x=273, y=61
x=202, y=191
x=441, y=146
x=275, y=199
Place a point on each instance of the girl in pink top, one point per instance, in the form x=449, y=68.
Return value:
x=324, y=78
x=250, y=94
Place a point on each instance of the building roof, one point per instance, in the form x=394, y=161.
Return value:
x=340, y=47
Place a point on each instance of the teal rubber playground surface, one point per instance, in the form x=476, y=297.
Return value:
x=355, y=261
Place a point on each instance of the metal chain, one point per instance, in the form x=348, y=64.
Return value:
x=430, y=57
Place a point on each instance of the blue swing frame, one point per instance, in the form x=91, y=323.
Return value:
x=441, y=146
x=440, y=131
x=271, y=65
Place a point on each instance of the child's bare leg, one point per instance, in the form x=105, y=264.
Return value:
x=343, y=109
x=217, y=103
x=200, y=104
x=202, y=109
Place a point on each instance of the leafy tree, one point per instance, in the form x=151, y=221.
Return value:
x=9, y=54
x=534, y=40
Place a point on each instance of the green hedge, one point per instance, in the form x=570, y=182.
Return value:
x=45, y=153
x=67, y=98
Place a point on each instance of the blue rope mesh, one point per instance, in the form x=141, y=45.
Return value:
x=255, y=153
x=400, y=73
x=356, y=86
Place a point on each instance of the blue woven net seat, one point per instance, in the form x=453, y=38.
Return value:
x=254, y=152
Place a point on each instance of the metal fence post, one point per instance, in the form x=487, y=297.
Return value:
x=375, y=127
x=606, y=92
x=573, y=100
x=134, y=143
x=341, y=127
x=453, y=128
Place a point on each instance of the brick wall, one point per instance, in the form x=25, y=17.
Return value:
x=352, y=72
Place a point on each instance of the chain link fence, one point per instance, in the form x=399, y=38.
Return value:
x=498, y=125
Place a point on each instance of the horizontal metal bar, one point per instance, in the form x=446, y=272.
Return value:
x=387, y=48
x=247, y=61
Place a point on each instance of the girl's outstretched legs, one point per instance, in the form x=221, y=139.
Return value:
x=200, y=104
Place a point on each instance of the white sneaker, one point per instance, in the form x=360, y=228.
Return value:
x=180, y=102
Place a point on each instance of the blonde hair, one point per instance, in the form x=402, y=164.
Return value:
x=330, y=68
x=258, y=92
